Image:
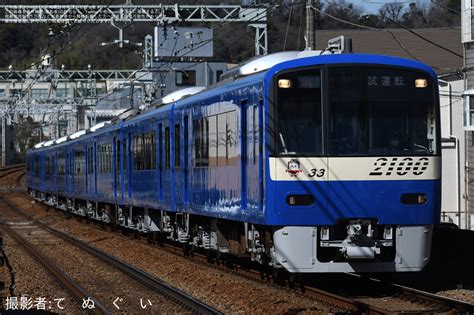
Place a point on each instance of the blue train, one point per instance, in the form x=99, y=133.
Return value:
x=299, y=160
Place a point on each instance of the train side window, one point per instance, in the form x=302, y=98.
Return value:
x=222, y=139
x=105, y=158
x=99, y=158
x=60, y=163
x=231, y=134
x=160, y=148
x=137, y=139
x=201, y=142
x=117, y=157
x=108, y=158
x=144, y=150
x=88, y=160
x=79, y=161
x=177, y=147
x=37, y=165
x=150, y=150
x=91, y=159
x=213, y=140
x=152, y=155
x=48, y=165
x=124, y=144
x=255, y=134
x=71, y=163
x=167, y=148
x=53, y=165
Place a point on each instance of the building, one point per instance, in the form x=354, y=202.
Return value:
x=468, y=99
x=172, y=76
x=457, y=204
x=7, y=153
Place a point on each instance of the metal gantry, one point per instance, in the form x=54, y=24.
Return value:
x=70, y=75
x=161, y=14
x=121, y=15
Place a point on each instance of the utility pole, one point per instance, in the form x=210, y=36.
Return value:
x=4, y=141
x=310, y=35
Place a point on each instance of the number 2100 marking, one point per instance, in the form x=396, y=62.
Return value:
x=400, y=167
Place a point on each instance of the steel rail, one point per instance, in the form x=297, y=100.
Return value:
x=178, y=296
x=434, y=298
x=457, y=305
x=67, y=282
x=10, y=169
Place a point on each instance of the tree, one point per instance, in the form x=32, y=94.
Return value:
x=391, y=11
x=27, y=134
x=443, y=13
x=343, y=11
x=414, y=16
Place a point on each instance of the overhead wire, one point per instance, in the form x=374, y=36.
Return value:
x=287, y=28
x=386, y=29
x=445, y=7
x=257, y=18
x=41, y=70
x=425, y=39
x=299, y=28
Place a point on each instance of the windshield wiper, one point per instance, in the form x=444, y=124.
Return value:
x=422, y=147
x=283, y=143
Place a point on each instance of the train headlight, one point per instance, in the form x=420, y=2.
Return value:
x=414, y=199
x=300, y=200
x=421, y=83
x=284, y=84
x=324, y=233
x=387, y=233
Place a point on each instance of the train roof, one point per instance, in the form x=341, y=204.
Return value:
x=255, y=70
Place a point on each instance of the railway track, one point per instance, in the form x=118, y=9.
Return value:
x=183, y=301
x=400, y=296
x=16, y=185
x=384, y=297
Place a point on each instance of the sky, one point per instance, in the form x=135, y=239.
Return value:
x=372, y=6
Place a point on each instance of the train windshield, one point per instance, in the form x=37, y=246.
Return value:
x=300, y=113
x=370, y=111
x=380, y=111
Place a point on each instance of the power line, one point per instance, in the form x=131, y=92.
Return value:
x=287, y=28
x=426, y=39
x=378, y=29
x=445, y=7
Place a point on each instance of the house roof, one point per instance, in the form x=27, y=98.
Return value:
x=405, y=44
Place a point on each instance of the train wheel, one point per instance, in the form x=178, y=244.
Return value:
x=150, y=237
x=265, y=273
x=124, y=230
x=230, y=262
x=161, y=240
x=294, y=280
x=211, y=256
x=186, y=250
x=279, y=276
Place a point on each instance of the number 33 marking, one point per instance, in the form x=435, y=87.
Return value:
x=317, y=173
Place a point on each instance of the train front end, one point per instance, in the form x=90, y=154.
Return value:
x=353, y=179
